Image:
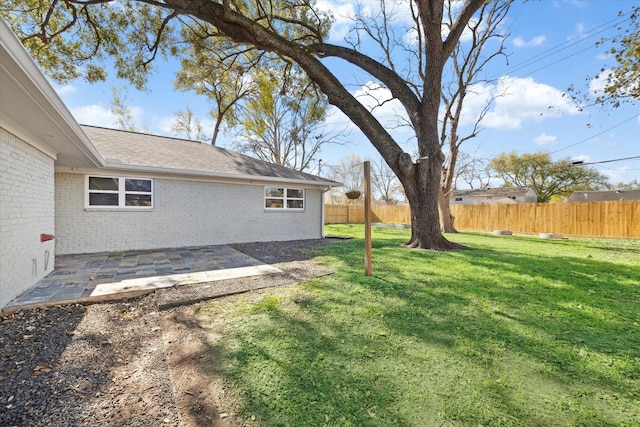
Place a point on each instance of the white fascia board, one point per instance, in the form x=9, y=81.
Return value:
x=157, y=172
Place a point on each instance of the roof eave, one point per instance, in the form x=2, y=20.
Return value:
x=246, y=178
x=24, y=72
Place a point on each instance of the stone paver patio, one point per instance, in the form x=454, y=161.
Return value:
x=91, y=277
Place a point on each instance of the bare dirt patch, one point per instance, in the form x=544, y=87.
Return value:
x=193, y=339
x=95, y=365
x=127, y=363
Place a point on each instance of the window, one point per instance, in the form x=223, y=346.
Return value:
x=283, y=198
x=110, y=192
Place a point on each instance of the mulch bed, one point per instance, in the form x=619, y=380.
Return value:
x=105, y=364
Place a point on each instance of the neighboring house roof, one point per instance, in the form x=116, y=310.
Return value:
x=604, y=196
x=500, y=201
x=145, y=152
x=32, y=110
x=494, y=192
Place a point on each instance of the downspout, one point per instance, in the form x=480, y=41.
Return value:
x=324, y=190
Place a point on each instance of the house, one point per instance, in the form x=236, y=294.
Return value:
x=66, y=188
x=604, y=196
x=494, y=195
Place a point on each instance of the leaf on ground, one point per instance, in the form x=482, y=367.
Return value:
x=42, y=369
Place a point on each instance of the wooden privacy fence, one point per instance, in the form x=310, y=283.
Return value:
x=590, y=219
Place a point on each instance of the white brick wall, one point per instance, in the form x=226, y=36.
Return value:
x=26, y=211
x=186, y=213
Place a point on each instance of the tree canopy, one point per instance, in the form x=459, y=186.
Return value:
x=622, y=82
x=548, y=178
x=282, y=119
x=71, y=37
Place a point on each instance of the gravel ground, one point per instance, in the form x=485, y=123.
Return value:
x=106, y=364
x=95, y=365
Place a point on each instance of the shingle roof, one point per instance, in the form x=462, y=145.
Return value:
x=173, y=155
x=493, y=192
x=604, y=196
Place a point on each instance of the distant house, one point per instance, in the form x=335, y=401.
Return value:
x=604, y=196
x=494, y=195
x=66, y=188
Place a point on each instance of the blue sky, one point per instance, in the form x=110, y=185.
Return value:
x=552, y=45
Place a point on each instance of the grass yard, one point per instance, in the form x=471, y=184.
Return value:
x=516, y=331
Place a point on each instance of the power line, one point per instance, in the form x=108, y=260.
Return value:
x=606, y=161
x=598, y=134
x=566, y=45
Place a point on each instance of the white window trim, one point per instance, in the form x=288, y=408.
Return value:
x=121, y=194
x=284, y=198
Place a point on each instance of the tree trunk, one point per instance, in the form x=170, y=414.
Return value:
x=444, y=208
x=421, y=181
x=444, y=193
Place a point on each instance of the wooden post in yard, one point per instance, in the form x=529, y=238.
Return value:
x=367, y=218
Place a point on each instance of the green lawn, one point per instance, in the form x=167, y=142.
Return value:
x=515, y=331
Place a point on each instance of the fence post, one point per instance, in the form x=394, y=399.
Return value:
x=367, y=218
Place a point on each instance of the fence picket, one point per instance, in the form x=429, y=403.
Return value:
x=589, y=219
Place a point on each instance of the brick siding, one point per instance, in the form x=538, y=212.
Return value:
x=185, y=213
x=26, y=211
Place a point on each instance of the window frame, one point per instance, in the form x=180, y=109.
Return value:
x=122, y=193
x=285, y=199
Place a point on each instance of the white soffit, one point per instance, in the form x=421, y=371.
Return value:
x=31, y=109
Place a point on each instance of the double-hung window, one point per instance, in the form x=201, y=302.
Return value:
x=119, y=192
x=284, y=198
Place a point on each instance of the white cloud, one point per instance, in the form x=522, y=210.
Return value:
x=478, y=96
x=517, y=100
x=536, y=41
x=376, y=99
x=606, y=78
x=580, y=33
x=98, y=115
x=64, y=90
x=164, y=124
x=95, y=115
x=389, y=112
x=598, y=83
x=342, y=13
x=544, y=139
x=616, y=175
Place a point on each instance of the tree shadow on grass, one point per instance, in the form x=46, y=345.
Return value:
x=571, y=320
x=491, y=337
x=308, y=373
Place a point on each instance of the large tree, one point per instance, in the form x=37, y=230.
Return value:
x=466, y=76
x=548, y=178
x=218, y=69
x=60, y=33
x=188, y=125
x=472, y=170
x=282, y=120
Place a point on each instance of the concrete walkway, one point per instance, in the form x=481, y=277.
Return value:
x=117, y=275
